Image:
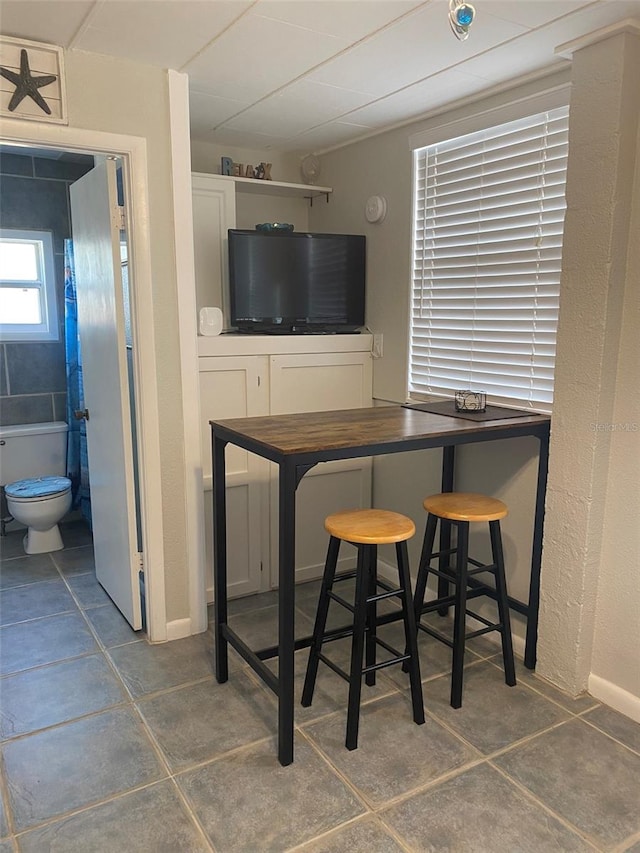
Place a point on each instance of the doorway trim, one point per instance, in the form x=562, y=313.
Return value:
x=133, y=151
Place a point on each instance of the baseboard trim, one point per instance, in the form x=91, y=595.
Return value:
x=615, y=697
x=179, y=629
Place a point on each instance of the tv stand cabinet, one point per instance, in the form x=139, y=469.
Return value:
x=249, y=375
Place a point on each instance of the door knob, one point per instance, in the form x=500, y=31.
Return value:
x=81, y=414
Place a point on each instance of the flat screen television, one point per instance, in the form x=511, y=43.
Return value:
x=293, y=282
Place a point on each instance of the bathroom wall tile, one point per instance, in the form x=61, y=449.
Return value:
x=36, y=205
x=153, y=818
x=61, y=169
x=36, y=368
x=59, y=406
x=75, y=765
x=15, y=164
x=26, y=409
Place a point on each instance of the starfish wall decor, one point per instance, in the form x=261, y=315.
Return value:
x=27, y=85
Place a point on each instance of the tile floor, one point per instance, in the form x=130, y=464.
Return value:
x=111, y=744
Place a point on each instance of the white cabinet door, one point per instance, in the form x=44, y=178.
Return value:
x=311, y=383
x=214, y=212
x=236, y=387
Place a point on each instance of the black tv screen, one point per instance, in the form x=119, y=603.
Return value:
x=296, y=282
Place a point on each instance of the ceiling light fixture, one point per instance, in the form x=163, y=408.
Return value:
x=461, y=16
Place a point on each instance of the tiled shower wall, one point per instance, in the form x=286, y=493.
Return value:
x=34, y=195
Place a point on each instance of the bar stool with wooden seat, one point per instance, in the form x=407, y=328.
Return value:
x=462, y=509
x=366, y=529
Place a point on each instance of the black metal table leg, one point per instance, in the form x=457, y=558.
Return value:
x=286, y=593
x=448, y=467
x=219, y=557
x=531, y=640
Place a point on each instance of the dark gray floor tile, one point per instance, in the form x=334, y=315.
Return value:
x=259, y=628
x=56, y=693
x=34, y=601
x=394, y=755
x=27, y=570
x=331, y=692
x=44, y=641
x=366, y=835
x=12, y=545
x=74, y=765
x=476, y=812
x=247, y=802
x=634, y=848
x=617, y=725
x=252, y=602
x=181, y=720
x=152, y=819
x=575, y=704
x=6, y=846
x=75, y=534
x=147, y=668
x=492, y=715
x=111, y=626
x=88, y=591
x=584, y=776
x=74, y=561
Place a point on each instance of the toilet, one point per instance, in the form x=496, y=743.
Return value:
x=32, y=466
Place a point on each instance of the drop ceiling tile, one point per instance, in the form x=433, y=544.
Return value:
x=419, y=46
x=529, y=14
x=241, y=64
x=209, y=111
x=36, y=22
x=419, y=99
x=161, y=33
x=348, y=19
x=327, y=135
x=317, y=102
x=248, y=140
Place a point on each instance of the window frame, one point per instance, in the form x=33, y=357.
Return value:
x=437, y=134
x=48, y=329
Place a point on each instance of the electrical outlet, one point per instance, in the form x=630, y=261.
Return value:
x=376, y=349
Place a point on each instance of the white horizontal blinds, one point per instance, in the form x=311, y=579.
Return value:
x=487, y=248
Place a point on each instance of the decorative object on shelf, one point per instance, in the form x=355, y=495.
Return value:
x=376, y=208
x=36, y=71
x=461, y=16
x=261, y=172
x=470, y=401
x=210, y=321
x=274, y=226
x=310, y=168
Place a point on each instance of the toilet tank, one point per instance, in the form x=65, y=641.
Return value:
x=32, y=450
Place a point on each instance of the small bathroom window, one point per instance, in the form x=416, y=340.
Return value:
x=28, y=309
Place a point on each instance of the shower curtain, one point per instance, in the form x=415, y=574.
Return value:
x=77, y=459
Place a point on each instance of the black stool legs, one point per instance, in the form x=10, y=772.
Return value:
x=466, y=587
x=364, y=632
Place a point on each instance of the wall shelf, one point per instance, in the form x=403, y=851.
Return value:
x=281, y=188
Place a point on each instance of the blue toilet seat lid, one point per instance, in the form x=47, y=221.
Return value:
x=37, y=487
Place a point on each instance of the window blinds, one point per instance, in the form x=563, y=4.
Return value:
x=487, y=250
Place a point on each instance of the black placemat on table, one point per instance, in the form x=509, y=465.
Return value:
x=448, y=407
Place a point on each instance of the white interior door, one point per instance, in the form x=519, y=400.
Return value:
x=96, y=242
